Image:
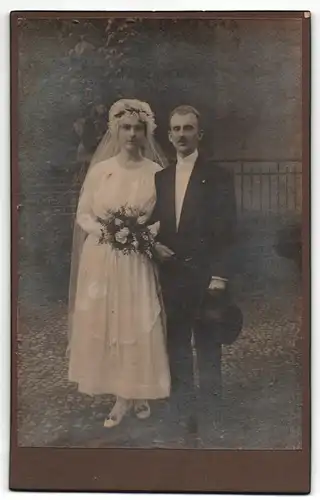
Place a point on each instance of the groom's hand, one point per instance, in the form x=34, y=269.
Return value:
x=163, y=252
x=217, y=283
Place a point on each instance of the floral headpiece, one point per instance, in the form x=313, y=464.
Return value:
x=131, y=107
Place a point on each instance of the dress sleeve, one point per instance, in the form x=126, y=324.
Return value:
x=85, y=217
x=152, y=206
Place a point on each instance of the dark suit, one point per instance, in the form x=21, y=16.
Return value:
x=205, y=231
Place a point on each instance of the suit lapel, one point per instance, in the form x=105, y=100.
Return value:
x=193, y=196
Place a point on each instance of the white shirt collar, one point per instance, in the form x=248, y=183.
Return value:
x=190, y=159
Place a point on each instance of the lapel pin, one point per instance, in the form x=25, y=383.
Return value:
x=203, y=181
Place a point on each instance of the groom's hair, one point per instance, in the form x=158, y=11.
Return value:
x=185, y=109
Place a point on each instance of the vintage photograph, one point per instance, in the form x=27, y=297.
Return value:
x=159, y=246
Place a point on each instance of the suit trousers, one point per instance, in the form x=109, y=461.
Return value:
x=181, y=294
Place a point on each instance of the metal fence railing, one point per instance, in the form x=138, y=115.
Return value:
x=268, y=187
x=273, y=187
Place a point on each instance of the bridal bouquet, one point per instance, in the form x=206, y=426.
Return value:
x=125, y=229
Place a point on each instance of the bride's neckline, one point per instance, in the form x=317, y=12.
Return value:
x=134, y=165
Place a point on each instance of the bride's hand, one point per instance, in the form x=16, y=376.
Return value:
x=163, y=252
x=154, y=228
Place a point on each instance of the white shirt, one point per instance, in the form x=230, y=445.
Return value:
x=183, y=172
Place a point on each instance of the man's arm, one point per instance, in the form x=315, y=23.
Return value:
x=224, y=231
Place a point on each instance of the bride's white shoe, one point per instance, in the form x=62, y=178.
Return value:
x=142, y=409
x=120, y=409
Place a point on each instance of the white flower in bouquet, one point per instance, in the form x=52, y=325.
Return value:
x=122, y=235
x=135, y=244
x=120, y=238
x=118, y=222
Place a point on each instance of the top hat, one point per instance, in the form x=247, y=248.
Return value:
x=220, y=315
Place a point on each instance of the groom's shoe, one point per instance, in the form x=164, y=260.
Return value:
x=190, y=424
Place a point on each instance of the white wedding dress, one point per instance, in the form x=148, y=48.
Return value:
x=118, y=343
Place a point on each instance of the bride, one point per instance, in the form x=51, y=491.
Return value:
x=116, y=320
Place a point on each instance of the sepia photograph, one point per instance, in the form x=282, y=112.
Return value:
x=159, y=186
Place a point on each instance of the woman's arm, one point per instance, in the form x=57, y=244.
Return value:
x=85, y=217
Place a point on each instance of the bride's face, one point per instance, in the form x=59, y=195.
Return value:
x=131, y=134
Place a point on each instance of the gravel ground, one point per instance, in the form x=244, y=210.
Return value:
x=261, y=370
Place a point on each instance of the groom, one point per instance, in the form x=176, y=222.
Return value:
x=197, y=213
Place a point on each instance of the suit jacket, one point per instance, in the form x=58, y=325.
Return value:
x=207, y=221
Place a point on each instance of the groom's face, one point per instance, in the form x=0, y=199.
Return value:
x=184, y=133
